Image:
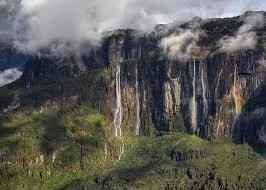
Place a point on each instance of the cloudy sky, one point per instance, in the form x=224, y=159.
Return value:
x=37, y=23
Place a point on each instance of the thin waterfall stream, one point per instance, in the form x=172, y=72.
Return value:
x=194, y=101
x=118, y=112
x=137, y=102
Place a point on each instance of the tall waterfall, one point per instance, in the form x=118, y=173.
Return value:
x=137, y=102
x=193, y=105
x=218, y=83
x=235, y=93
x=235, y=79
x=204, y=92
x=118, y=112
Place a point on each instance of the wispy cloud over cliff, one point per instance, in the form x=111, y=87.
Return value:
x=180, y=46
x=245, y=38
x=40, y=23
x=8, y=11
x=9, y=75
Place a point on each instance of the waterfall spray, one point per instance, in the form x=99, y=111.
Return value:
x=194, y=101
x=137, y=102
x=118, y=112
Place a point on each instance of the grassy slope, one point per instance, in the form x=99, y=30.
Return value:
x=66, y=150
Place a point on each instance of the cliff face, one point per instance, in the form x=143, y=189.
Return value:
x=141, y=91
x=9, y=57
x=203, y=96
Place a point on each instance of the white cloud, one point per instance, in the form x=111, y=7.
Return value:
x=3, y=3
x=42, y=22
x=245, y=38
x=31, y=6
x=9, y=75
x=180, y=45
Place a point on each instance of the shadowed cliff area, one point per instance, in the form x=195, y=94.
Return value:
x=250, y=127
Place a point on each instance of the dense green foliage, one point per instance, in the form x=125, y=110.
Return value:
x=74, y=149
